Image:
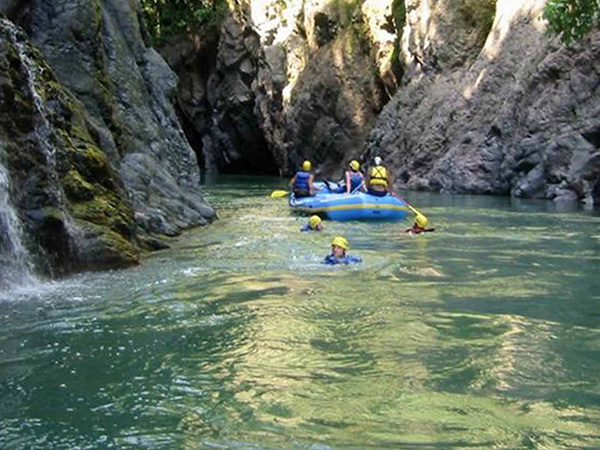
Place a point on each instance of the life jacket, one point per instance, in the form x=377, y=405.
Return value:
x=418, y=230
x=378, y=176
x=356, y=179
x=301, y=185
x=306, y=228
x=331, y=260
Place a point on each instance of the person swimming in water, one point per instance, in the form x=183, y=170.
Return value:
x=420, y=225
x=314, y=224
x=338, y=255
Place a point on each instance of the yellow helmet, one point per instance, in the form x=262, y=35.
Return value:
x=421, y=221
x=341, y=242
x=306, y=165
x=314, y=221
x=354, y=165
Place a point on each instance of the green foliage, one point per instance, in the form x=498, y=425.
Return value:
x=165, y=18
x=572, y=19
x=399, y=18
x=399, y=15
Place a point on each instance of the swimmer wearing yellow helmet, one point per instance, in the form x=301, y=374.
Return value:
x=314, y=224
x=339, y=255
x=420, y=225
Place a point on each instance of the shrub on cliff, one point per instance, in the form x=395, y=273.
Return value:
x=166, y=18
x=572, y=19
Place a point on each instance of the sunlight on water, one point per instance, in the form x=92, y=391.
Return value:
x=485, y=334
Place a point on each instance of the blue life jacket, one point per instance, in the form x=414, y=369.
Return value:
x=301, y=185
x=306, y=227
x=356, y=179
x=348, y=259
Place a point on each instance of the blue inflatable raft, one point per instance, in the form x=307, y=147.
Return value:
x=357, y=206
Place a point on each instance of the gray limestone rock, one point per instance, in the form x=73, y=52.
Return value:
x=523, y=119
x=96, y=49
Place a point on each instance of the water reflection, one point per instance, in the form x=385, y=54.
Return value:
x=484, y=334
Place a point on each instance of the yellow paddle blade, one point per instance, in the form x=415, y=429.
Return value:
x=418, y=214
x=415, y=211
x=279, y=194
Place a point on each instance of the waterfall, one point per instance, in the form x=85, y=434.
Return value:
x=42, y=126
x=43, y=133
x=15, y=264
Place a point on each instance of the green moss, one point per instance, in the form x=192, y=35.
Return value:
x=349, y=12
x=51, y=214
x=92, y=163
x=399, y=15
x=123, y=250
x=76, y=187
x=105, y=208
x=109, y=248
x=399, y=19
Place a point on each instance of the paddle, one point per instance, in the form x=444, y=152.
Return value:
x=412, y=209
x=279, y=194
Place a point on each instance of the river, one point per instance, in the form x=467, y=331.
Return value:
x=484, y=334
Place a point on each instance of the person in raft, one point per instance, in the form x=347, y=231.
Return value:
x=338, y=255
x=314, y=224
x=420, y=225
x=378, y=181
x=302, y=183
x=355, y=180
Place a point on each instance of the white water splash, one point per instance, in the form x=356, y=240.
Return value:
x=16, y=268
x=43, y=133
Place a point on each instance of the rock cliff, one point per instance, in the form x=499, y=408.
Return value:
x=283, y=81
x=483, y=100
x=59, y=188
x=93, y=157
x=519, y=116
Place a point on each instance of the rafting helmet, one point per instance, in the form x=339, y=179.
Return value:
x=421, y=221
x=377, y=160
x=306, y=165
x=314, y=222
x=354, y=165
x=341, y=242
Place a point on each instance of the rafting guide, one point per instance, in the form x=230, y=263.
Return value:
x=378, y=181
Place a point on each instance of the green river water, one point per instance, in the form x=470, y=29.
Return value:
x=485, y=334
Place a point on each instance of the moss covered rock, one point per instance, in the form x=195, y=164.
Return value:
x=70, y=201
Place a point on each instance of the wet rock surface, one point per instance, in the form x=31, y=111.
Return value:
x=94, y=158
x=98, y=51
x=69, y=203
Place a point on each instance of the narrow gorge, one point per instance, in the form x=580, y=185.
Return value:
x=457, y=95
